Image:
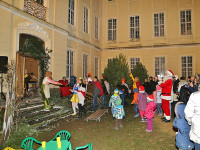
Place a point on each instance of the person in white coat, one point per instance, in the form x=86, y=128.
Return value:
x=192, y=115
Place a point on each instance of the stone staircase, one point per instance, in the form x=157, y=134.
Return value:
x=33, y=113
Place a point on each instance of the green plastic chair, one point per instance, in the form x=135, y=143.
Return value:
x=89, y=146
x=27, y=143
x=64, y=135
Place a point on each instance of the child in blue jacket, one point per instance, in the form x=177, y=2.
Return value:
x=182, y=137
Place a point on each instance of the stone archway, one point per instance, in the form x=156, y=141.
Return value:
x=25, y=62
x=27, y=67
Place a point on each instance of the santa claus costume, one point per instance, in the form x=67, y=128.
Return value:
x=166, y=85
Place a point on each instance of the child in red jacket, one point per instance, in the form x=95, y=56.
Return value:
x=149, y=112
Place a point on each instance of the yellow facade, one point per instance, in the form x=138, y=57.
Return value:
x=55, y=31
x=60, y=36
x=172, y=45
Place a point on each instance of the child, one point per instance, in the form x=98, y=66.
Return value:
x=117, y=109
x=159, y=100
x=182, y=136
x=74, y=98
x=149, y=112
x=135, y=102
x=81, y=96
x=142, y=102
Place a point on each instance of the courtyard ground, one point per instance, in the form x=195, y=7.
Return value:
x=101, y=134
x=104, y=137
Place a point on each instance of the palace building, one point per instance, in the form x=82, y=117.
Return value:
x=85, y=34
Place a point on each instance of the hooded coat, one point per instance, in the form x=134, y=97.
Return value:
x=182, y=137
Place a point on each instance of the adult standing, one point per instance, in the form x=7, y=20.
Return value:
x=106, y=91
x=192, y=115
x=97, y=90
x=153, y=84
x=45, y=89
x=64, y=88
x=166, y=86
x=193, y=85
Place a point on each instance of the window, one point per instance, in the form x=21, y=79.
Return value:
x=71, y=12
x=186, y=22
x=70, y=65
x=134, y=27
x=133, y=62
x=41, y=2
x=85, y=20
x=96, y=66
x=96, y=28
x=159, y=66
x=186, y=66
x=112, y=25
x=85, y=57
x=159, y=27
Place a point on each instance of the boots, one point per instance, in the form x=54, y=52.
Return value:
x=80, y=114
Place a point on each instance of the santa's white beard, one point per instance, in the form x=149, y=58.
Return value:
x=166, y=78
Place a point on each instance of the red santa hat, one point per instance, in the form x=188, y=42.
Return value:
x=150, y=97
x=169, y=73
x=141, y=88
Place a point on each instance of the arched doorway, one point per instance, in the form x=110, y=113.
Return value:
x=30, y=61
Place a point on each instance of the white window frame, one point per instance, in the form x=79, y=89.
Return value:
x=85, y=65
x=186, y=66
x=96, y=27
x=112, y=29
x=85, y=19
x=186, y=22
x=134, y=27
x=159, y=24
x=96, y=66
x=71, y=10
x=160, y=63
x=70, y=63
x=133, y=62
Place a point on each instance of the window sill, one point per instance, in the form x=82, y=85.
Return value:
x=135, y=40
x=111, y=41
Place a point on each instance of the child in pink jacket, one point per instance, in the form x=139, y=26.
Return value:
x=149, y=112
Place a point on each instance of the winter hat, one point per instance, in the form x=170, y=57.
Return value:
x=150, y=98
x=89, y=74
x=169, y=73
x=141, y=89
x=123, y=80
x=116, y=92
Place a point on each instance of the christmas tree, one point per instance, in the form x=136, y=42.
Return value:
x=140, y=71
x=117, y=69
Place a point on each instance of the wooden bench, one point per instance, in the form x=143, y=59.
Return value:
x=97, y=115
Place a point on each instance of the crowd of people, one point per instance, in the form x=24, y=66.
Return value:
x=168, y=95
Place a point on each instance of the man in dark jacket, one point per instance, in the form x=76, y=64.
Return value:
x=106, y=91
